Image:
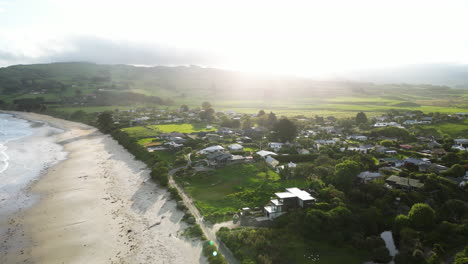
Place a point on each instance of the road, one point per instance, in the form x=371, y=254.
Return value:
x=208, y=230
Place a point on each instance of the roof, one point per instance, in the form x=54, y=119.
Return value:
x=217, y=147
x=283, y=195
x=265, y=153
x=405, y=181
x=303, y=195
x=235, y=146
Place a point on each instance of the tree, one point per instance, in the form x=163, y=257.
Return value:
x=184, y=108
x=456, y=170
x=271, y=121
x=387, y=143
x=361, y=118
x=247, y=123
x=421, y=216
x=345, y=174
x=206, y=105
x=261, y=113
x=105, y=122
x=285, y=130
x=401, y=221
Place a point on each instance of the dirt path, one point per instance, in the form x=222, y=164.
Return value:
x=209, y=230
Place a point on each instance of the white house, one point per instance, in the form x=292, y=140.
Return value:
x=266, y=153
x=235, y=147
x=275, y=145
x=366, y=176
x=212, y=149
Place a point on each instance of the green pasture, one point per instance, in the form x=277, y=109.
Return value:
x=451, y=129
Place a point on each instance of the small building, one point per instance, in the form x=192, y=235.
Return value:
x=169, y=136
x=403, y=183
x=392, y=161
x=235, y=147
x=357, y=137
x=293, y=198
x=429, y=167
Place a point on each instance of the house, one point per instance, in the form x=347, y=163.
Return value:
x=429, y=167
x=367, y=176
x=392, y=161
x=433, y=144
x=357, y=137
x=461, y=141
x=266, y=153
x=414, y=161
x=403, y=183
x=218, y=159
x=168, y=136
x=406, y=146
x=173, y=145
x=211, y=149
x=224, y=131
x=427, y=119
x=235, y=147
x=439, y=152
x=213, y=137
x=275, y=145
x=293, y=198
x=303, y=151
x=459, y=147
x=410, y=122
x=271, y=161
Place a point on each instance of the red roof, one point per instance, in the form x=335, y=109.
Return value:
x=406, y=146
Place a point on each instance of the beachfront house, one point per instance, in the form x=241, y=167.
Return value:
x=292, y=198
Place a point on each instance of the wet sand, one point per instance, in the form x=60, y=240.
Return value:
x=97, y=206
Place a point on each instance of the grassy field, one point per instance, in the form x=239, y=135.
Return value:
x=92, y=109
x=451, y=129
x=182, y=128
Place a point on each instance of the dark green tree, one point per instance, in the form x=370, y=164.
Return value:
x=206, y=105
x=361, y=118
x=105, y=122
x=285, y=130
x=184, y=108
x=345, y=174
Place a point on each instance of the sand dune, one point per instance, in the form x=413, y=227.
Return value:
x=98, y=206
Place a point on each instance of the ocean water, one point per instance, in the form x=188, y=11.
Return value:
x=27, y=149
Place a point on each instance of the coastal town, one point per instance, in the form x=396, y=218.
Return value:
x=250, y=170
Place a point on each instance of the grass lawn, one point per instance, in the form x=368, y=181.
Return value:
x=141, y=132
x=321, y=252
x=226, y=190
x=145, y=141
x=182, y=128
x=211, y=187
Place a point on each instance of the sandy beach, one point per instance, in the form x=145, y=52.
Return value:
x=97, y=206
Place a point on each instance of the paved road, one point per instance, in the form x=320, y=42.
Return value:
x=208, y=230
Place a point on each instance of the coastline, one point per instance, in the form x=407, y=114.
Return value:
x=98, y=206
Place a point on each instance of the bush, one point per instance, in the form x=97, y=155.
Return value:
x=381, y=255
x=174, y=194
x=208, y=250
x=194, y=231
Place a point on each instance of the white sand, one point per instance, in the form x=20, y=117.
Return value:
x=96, y=207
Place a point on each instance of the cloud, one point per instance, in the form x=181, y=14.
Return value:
x=106, y=51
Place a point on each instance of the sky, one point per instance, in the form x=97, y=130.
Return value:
x=307, y=38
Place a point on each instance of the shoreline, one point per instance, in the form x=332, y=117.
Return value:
x=98, y=206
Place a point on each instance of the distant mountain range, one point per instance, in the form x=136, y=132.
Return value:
x=454, y=75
